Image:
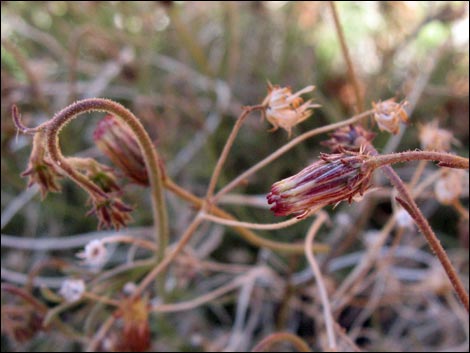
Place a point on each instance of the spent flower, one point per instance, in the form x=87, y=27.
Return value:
x=349, y=138
x=450, y=186
x=110, y=211
x=432, y=138
x=286, y=109
x=389, y=114
x=331, y=179
x=40, y=168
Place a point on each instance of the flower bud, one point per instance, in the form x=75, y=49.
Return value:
x=348, y=138
x=389, y=115
x=284, y=109
x=117, y=141
x=333, y=178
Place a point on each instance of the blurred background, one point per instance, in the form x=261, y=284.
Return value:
x=186, y=69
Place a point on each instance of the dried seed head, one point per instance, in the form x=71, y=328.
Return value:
x=389, y=114
x=40, y=169
x=135, y=335
x=286, y=109
x=72, y=289
x=94, y=254
x=110, y=211
x=333, y=178
x=117, y=141
x=450, y=186
x=434, y=139
x=348, y=138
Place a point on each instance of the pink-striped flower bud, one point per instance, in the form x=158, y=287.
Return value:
x=333, y=178
x=117, y=141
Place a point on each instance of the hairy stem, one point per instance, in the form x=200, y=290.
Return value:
x=408, y=203
x=444, y=159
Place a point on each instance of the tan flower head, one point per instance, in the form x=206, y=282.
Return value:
x=286, y=109
x=450, y=186
x=389, y=114
x=434, y=139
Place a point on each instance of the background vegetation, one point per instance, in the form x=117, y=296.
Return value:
x=186, y=69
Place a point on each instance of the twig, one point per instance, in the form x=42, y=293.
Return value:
x=347, y=57
x=319, y=279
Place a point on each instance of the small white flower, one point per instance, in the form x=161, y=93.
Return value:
x=129, y=288
x=95, y=253
x=403, y=219
x=72, y=289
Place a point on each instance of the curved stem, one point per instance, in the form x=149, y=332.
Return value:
x=409, y=204
x=268, y=226
x=145, y=144
x=249, y=236
x=269, y=341
x=444, y=159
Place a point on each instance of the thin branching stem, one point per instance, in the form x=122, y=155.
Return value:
x=328, y=317
x=288, y=146
x=227, y=147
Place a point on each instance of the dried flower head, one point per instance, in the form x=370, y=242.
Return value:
x=348, y=138
x=72, y=289
x=450, y=186
x=286, y=109
x=389, y=114
x=135, y=335
x=434, y=139
x=111, y=211
x=95, y=253
x=333, y=178
x=40, y=169
x=117, y=141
